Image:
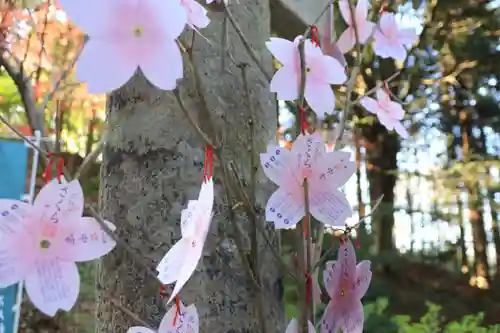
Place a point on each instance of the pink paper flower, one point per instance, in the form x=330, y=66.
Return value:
x=321, y=72
x=125, y=35
x=186, y=321
x=346, y=284
x=347, y=39
x=389, y=113
x=40, y=244
x=326, y=172
x=196, y=14
x=293, y=327
x=391, y=40
x=181, y=260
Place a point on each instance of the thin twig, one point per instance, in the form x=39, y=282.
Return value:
x=129, y=313
x=90, y=158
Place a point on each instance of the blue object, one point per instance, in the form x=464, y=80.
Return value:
x=13, y=170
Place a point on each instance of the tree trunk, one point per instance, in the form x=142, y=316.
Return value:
x=475, y=205
x=152, y=165
x=381, y=151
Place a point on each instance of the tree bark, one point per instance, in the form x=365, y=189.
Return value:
x=152, y=165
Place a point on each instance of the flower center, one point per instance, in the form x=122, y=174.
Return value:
x=308, y=69
x=44, y=244
x=138, y=31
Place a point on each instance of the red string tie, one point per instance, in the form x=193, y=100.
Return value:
x=47, y=174
x=303, y=120
x=209, y=162
x=315, y=35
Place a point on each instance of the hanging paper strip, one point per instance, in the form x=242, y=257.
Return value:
x=13, y=169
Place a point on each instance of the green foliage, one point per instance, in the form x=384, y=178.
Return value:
x=376, y=320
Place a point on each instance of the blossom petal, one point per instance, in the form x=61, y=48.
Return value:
x=197, y=14
x=382, y=96
x=330, y=321
x=365, y=30
x=187, y=215
x=186, y=321
x=363, y=278
x=53, y=285
x=345, y=11
x=352, y=319
x=361, y=10
x=407, y=36
x=329, y=206
x=382, y=46
x=191, y=257
x=139, y=329
x=319, y=96
x=399, y=128
x=283, y=50
x=59, y=203
x=285, y=207
x=104, y=67
x=398, y=52
x=164, y=66
x=15, y=263
x=285, y=83
x=171, y=264
x=171, y=15
x=293, y=326
x=92, y=16
x=395, y=110
x=13, y=215
x=370, y=104
x=85, y=240
x=328, y=70
x=278, y=164
x=347, y=261
x=307, y=149
x=331, y=277
x=346, y=40
x=334, y=168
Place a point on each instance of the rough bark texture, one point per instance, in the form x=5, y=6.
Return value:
x=152, y=166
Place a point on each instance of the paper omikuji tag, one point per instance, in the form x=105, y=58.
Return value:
x=293, y=327
x=322, y=71
x=325, y=172
x=40, y=244
x=347, y=39
x=125, y=35
x=181, y=260
x=391, y=40
x=346, y=284
x=186, y=321
x=389, y=113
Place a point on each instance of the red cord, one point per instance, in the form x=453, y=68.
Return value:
x=177, y=309
x=315, y=35
x=48, y=170
x=208, y=165
x=303, y=121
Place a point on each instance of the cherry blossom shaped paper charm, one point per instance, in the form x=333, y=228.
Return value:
x=181, y=260
x=346, y=284
x=186, y=321
x=391, y=41
x=321, y=72
x=293, y=327
x=40, y=244
x=125, y=35
x=326, y=172
x=389, y=113
x=347, y=39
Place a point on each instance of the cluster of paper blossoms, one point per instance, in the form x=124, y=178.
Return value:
x=40, y=243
